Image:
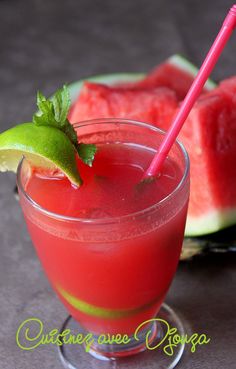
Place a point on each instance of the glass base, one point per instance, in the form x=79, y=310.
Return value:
x=133, y=355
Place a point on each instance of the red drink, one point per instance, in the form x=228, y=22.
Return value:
x=110, y=248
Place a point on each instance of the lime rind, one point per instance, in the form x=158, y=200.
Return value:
x=43, y=146
x=97, y=311
x=185, y=65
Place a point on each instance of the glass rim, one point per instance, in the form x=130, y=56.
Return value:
x=116, y=219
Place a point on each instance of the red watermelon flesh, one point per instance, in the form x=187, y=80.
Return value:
x=209, y=135
x=155, y=106
x=167, y=75
x=228, y=86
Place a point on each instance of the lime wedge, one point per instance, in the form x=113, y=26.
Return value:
x=99, y=311
x=43, y=146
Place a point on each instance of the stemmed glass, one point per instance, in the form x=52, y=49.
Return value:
x=113, y=273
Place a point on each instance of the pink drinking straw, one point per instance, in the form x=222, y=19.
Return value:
x=193, y=93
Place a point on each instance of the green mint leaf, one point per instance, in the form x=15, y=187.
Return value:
x=45, y=115
x=61, y=103
x=69, y=130
x=87, y=153
x=54, y=113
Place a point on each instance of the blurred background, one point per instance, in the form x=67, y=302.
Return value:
x=45, y=43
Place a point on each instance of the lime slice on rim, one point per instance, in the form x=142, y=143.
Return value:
x=43, y=146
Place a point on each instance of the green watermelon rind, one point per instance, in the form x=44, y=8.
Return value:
x=108, y=79
x=186, y=66
x=214, y=221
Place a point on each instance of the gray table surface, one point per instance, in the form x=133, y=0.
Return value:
x=46, y=43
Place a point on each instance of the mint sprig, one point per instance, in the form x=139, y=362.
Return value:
x=86, y=153
x=54, y=113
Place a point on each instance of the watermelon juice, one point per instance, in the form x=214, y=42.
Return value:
x=111, y=247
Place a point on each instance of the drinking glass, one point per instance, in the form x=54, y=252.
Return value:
x=112, y=273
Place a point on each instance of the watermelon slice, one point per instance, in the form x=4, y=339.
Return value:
x=163, y=75
x=209, y=135
x=107, y=79
x=176, y=73
x=155, y=106
x=125, y=99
